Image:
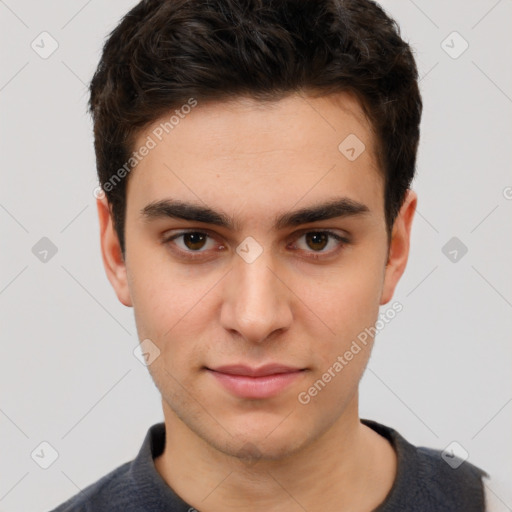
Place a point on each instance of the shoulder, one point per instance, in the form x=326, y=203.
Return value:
x=108, y=493
x=451, y=480
x=466, y=485
x=133, y=486
x=431, y=479
x=127, y=487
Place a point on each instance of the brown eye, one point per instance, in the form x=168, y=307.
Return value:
x=317, y=240
x=194, y=241
x=317, y=244
x=191, y=244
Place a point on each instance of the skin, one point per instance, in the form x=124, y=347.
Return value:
x=299, y=303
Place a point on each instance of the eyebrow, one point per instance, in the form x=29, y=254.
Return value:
x=173, y=208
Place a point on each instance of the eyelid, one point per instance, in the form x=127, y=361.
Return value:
x=167, y=239
x=342, y=240
x=342, y=234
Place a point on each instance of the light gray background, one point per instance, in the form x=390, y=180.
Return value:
x=440, y=371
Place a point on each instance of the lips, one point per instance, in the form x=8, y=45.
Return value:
x=255, y=383
x=262, y=371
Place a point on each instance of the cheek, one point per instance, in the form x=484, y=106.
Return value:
x=168, y=312
x=161, y=291
x=347, y=296
x=345, y=305
x=171, y=309
x=350, y=309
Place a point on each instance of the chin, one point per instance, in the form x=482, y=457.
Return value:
x=265, y=444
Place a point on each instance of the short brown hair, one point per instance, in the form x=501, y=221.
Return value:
x=164, y=52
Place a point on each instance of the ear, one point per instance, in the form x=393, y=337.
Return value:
x=113, y=261
x=399, y=246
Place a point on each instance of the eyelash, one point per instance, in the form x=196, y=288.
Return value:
x=194, y=255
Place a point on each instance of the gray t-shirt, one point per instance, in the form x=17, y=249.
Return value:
x=424, y=482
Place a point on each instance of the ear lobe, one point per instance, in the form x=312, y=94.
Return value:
x=111, y=254
x=399, y=246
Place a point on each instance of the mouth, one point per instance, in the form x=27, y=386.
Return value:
x=256, y=383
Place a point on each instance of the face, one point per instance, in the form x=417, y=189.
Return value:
x=272, y=264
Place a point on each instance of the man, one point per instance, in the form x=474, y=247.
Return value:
x=255, y=161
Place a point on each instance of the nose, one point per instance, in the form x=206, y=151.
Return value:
x=257, y=302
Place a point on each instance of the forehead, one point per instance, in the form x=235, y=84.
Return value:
x=243, y=152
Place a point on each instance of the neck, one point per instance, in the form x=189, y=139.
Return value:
x=349, y=466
